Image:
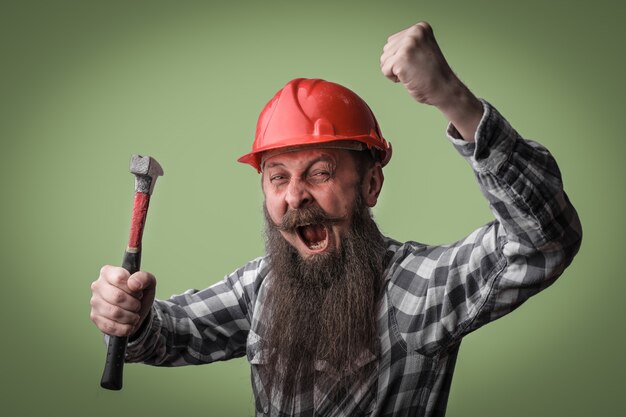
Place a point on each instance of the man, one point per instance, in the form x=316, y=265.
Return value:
x=336, y=319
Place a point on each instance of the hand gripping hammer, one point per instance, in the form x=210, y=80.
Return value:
x=146, y=170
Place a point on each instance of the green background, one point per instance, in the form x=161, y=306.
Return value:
x=84, y=85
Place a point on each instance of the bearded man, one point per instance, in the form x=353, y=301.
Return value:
x=337, y=319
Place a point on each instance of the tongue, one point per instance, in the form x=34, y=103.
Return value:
x=313, y=233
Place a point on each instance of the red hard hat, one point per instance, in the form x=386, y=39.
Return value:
x=309, y=112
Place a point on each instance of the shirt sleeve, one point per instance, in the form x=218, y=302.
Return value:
x=441, y=293
x=199, y=327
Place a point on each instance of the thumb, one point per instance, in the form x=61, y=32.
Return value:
x=141, y=281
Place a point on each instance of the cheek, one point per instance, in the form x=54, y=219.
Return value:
x=340, y=203
x=276, y=216
x=274, y=209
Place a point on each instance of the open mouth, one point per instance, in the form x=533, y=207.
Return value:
x=314, y=236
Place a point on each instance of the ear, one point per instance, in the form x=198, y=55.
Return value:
x=372, y=184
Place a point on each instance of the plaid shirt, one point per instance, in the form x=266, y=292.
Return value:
x=433, y=295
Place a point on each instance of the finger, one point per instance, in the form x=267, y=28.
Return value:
x=101, y=308
x=141, y=281
x=389, y=52
x=111, y=327
x=421, y=34
x=387, y=70
x=426, y=26
x=392, y=43
x=398, y=35
x=116, y=276
x=422, y=27
x=115, y=296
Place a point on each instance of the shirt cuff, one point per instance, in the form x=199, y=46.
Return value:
x=493, y=144
x=136, y=344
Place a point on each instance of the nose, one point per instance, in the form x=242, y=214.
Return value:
x=297, y=195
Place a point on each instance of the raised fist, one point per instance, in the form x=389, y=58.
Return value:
x=413, y=58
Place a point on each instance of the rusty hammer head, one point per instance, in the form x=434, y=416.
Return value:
x=146, y=170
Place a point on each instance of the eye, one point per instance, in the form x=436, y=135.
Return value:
x=319, y=176
x=278, y=179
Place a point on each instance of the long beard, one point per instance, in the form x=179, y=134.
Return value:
x=323, y=308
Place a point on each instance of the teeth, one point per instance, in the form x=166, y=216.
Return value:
x=318, y=245
x=306, y=235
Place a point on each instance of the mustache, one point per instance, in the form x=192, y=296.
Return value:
x=293, y=219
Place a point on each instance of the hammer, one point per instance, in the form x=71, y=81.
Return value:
x=146, y=171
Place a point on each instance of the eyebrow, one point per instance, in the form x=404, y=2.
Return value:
x=321, y=158
x=273, y=164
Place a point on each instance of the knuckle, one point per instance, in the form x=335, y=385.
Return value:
x=425, y=26
x=135, y=306
x=420, y=32
x=126, y=330
x=115, y=312
x=116, y=329
x=118, y=278
x=416, y=31
x=411, y=45
x=108, y=327
x=119, y=297
x=404, y=53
